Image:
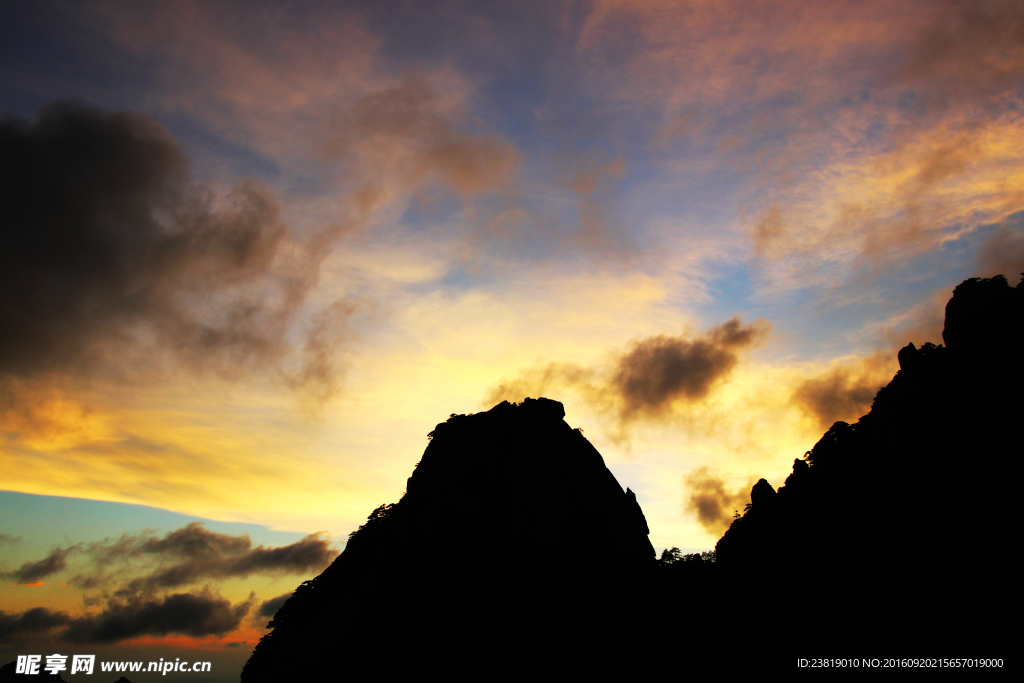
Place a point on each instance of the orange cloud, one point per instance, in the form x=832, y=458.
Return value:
x=845, y=392
x=411, y=132
x=868, y=133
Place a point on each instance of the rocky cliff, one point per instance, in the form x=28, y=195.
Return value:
x=514, y=552
x=897, y=529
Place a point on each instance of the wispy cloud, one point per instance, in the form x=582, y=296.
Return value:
x=32, y=572
x=867, y=135
x=193, y=554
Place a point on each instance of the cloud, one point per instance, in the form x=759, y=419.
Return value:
x=143, y=564
x=258, y=81
x=868, y=135
x=193, y=553
x=844, y=392
x=658, y=370
x=877, y=209
x=1002, y=254
x=966, y=50
x=410, y=133
x=540, y=380
x=7, y=538
x=115, y=261
x=650, y=377
x=318, y=378
x=592, y=182
x=32, y=572
x=836, y=396
x=709, y=500
x=32, y=622
x=268, y=608
x=41, y=409
x=136, y=571
x=197, y=614
x=770, y=230
x=103, y=234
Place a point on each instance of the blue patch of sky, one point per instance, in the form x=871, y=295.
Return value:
x=831, y=323
x=910, y=102
x=212, y=155
x=430, y=208
x=45, y=522
x=730, y=295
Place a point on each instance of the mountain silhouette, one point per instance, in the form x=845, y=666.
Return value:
x=513, y=553
x=896, y=531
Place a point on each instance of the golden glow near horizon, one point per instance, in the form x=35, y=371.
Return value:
x=550, y=205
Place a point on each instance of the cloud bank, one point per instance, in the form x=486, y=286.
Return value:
x=197, y=614
x=136, y=572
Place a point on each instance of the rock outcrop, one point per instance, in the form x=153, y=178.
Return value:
x=514, y=553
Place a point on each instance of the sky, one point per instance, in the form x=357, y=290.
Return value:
x=255, y=251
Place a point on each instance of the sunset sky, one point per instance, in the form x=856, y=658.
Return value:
x=254, y=252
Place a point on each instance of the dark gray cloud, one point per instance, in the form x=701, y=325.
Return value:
x=193, y=541
x=32, y=622
x=197, y=614
x=658, y=370
x=194, y=614
x=7, y=538
x=268, y=608
x=711, y=502
x=115, y=262
x=193, y=553
x=647, y=379
x=31, y=572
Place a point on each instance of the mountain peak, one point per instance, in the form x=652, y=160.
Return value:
x=485, y=561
